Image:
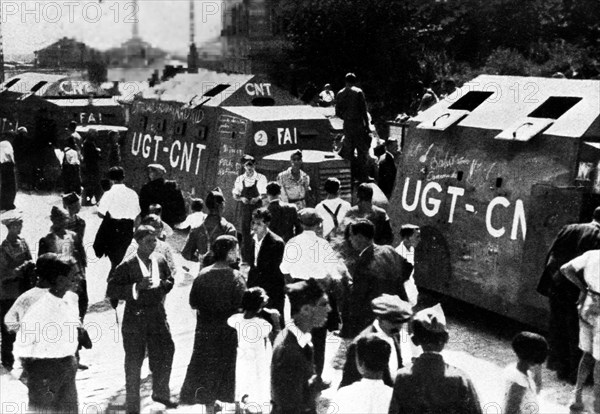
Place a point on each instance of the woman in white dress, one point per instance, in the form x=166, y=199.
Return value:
x=252, y=371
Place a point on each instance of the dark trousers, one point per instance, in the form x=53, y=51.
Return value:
x=51, y=384
x=160, y=354
x=83, y=298
x=91, y=188
x=246, y=224
x=564, y=338
x=71, y=175
x=121, y=236
x=8, y=185
x=8, y=337
x=356, y=138
x=319, y=338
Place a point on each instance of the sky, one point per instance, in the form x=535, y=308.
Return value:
x=29, y=25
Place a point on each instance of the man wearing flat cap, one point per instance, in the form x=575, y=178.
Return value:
x=14, y=253
x=391, y=314
x=431, y=385
x=166, y=193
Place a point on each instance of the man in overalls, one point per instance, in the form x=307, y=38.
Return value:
x=249, y=189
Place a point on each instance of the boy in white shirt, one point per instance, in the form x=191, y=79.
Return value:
x=369, y=395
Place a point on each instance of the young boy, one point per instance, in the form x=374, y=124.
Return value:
x=431, y=385
x=72, y=203
x=370, y=395
x=524, y=379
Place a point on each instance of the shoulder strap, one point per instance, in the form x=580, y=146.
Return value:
x=334, y=215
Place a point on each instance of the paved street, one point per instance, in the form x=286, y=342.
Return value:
x=481, y=345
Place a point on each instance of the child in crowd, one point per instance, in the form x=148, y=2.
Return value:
x=252, y=372
x=196, y=218
x=524, y=378
x=72, y=203
x=370, y=395
x=165, y=230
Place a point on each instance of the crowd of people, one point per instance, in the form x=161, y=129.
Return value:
x=261, y=335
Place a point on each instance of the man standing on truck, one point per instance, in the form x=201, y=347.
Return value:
x=351, y=107
x=572, y=241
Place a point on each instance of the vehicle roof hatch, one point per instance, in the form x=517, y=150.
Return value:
x=539, y=119
x=457, y=111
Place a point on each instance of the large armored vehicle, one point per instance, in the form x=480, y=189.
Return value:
x=198, y=126
x=491, y=173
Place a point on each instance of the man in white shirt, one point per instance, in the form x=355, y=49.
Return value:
x=333, y=209
x=370, y=395
x=119, y=207
x=309, y=256
x=48, y=341
x=410, y=236
x=249, y=189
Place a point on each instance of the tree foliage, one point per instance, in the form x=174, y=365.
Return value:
x=393, y=44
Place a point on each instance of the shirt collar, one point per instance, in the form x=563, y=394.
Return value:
x=365, y=249
x=302, y=338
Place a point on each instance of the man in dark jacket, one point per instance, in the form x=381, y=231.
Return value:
x=166, y=193
x=376, y=215
x=144, y=280
x=294, y=384
x=284, y=216
x=268, y=254
x=391, y=313
x=572, y=241
x=386, y=167
x=91, y=169
x=377, y=270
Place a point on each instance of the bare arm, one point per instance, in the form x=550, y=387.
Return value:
x=569, y=271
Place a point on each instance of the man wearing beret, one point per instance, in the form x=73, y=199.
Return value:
x=166, y=193
x=431, y=385
x=391, y=313
x=295, y=385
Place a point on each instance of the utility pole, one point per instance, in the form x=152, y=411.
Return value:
x=1, y=51
x=193, y=53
